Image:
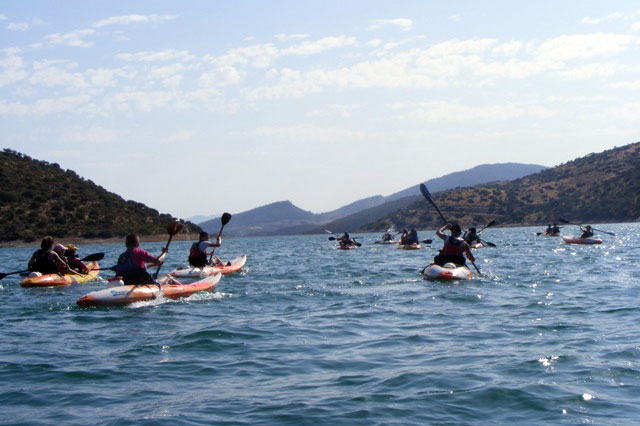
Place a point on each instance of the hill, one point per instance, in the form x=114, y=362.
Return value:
x=38, y=198
x=284, y=218
x=602, y=187
x=263, y=220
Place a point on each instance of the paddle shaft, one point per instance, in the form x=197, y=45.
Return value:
x=214, y=249
x=166, y=249
x=595, y=229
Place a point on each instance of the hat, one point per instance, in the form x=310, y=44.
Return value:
x=71, y=247
x=59, y=247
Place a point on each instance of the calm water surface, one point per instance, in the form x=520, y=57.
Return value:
x=313, y=335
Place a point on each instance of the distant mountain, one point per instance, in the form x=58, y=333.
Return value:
x=602, y=187
x=284, y=218
x=478, y=175
x=263, y=220
x=201, y=218
x=38, y=199
x=475, y=176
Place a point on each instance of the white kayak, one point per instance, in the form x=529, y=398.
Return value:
x=448, y=272
x=228, y=268
x=121, y=295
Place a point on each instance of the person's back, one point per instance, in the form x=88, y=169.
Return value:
x=44, y=259
x=413, y=237
x=198, y=251
x=454, y=247
x=586, y=232
x=131, y=264
x=471, y=236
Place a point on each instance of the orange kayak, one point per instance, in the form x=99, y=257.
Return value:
x=121, y=295
x=192, y=272
x=55, y=280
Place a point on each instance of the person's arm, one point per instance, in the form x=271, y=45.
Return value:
x=32, y=260
x=64, y=266
x=468, y=253
x=440, y=232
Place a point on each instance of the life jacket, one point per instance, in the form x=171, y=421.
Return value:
x=197, y=257
x=453, y=247
x=44, y=263
x=125, y=263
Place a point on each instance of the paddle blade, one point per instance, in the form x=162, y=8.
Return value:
x=490, y=224
x=425, y=192
x=93, y=257
x=174, y=227
x=226, y=217
x=3, y=276
x=358, y=244
x=332, y=238
x=427, y=241
x=564, y=220
x=490, y=244
x=328, y=232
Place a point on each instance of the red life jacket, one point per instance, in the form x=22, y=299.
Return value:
x=196, y=257
x=453, y=247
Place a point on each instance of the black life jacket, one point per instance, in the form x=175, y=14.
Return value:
x=125, y=263
x=197, y=257
x=44, y=263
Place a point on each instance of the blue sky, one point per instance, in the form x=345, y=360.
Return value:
x=202, y=107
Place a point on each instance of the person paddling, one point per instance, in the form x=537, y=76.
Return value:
x=132, y=264
x=412, y=237
x=404, y=238
x=198, y=253
x=345, y=240
x=471, y=236
x=387, y=236
x=73, y=261
x=549, y=230
x=587, y=232
x=454, y=246
x=555, y=229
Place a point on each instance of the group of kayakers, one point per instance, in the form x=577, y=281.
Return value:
x=52, y=258
x=408, y=238
x=587, y=231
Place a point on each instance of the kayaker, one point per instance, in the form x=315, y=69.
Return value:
x=46, y=261
x=549, y=230
x=404, y=237
x=454, y=246
x=132, y=264
x=555, y=229
x=471, y=236
x=587, y=232
x=73, y=261
x=387, y=236
x=412, y=237
x=198, y=252
x=345, y=240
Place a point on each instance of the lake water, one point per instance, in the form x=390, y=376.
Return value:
x=311, y=335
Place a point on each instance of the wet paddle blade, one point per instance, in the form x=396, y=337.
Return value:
x=226, y=217
x=93, y=257
x=174, y=227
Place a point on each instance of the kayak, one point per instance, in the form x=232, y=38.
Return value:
x=410, y=246
x=121, y=295
x=385, y=242
x=448, y=272
x=557, y=234
x=477, y=245
x=582, y=240
x=54, y=280
x=346, y=247
x=229, y=268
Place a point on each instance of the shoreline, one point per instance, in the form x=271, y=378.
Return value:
x=78, y=241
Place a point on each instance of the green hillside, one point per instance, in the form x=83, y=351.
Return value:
x=38, y=198
x=602, y=187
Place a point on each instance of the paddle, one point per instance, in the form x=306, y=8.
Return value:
x=427, y=196
x=226, y=217
x=577, y=224
x=91, y=258
x=427, y=241
x=172, y=229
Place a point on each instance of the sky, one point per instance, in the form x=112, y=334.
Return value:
x=207, y=106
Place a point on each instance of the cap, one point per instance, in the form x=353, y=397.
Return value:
x=71, y=247
x=59, y=247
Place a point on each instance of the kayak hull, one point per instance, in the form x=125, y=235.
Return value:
x=582, y=240
x=55, y=280
x=236, y=265
x=346, y=247
x=448, y=272
x=410, y=247
x=385, y=242
x=127, y=294
x=477, y=245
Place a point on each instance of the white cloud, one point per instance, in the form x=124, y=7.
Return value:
x=60, y=104
x=13, y=108
x=609, y=18
x=631, y=85
x=179, y=136
x=286, y=37
x=142, y=101
x=56, y=73
x=589, y=71
x=584, y=46
x=258, y=56
x=157, y=56
x=11, y=67
x=3, y=17
x=18, y=26
x=403, y=23
x=635, y=27
x=133, y=19
x=96, y=135
x=309, y=133
x=343, y=111
x=315, y=47
x=438, y=111
x=508, y=49
x=74, y=38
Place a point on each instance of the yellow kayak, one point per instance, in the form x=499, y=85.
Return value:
x=55, y=280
